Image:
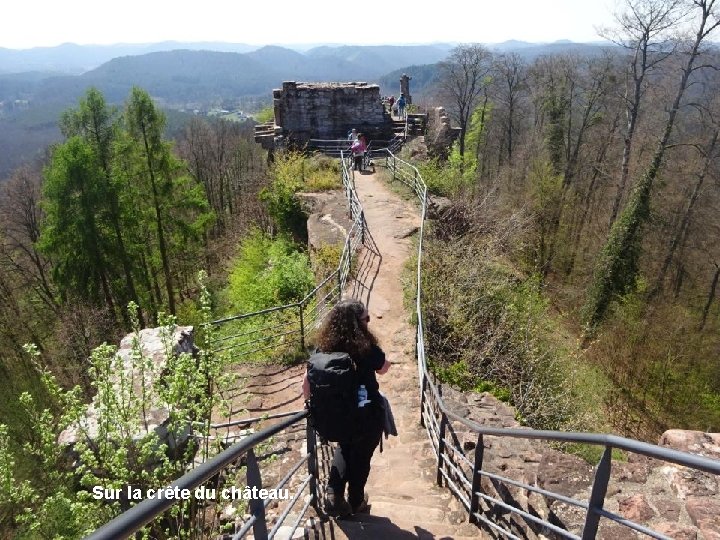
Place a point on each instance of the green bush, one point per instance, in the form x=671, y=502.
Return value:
x=265, y=115
x=487, y=329
x=268, y=272
x=288, y=174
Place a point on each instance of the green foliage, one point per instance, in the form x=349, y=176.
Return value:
x=72, y=233
x=556, y=107
x=475, y=136
x=546, y=193
x=460, y=376
x=487, y=329
x=445, y=178
x=266, y=273
x=326, y=259
x=449, y=178
x=288, y=177
x=616, y=271
x=322, y=173
x=663, y=375
x=265, y=115
x=118, y=205
x=122, y=447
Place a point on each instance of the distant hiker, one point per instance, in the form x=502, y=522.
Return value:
x=353, y=135
x=391, y=102
x=358, y=149
x=401, y=106
x=348, y=357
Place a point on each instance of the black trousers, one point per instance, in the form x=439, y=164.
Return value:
x=357, y=165
x=351, y=466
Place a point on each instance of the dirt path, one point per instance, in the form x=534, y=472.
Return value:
x=406, y=503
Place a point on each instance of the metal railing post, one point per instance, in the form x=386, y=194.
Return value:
x=340, y=281
x=441, y=437
x=423, y=388
x=476, y=479
x=362, y=227
x=597, y=495
x=312, y=461
x=302, y=327
x=257, y=506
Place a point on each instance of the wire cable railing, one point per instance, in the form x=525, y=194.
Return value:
x=266, y=332
x=481, y=491
x=463, y=475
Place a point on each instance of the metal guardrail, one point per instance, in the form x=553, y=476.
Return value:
x=168, y=516
x=159, y=513
x=283, y=330
x=463, y=475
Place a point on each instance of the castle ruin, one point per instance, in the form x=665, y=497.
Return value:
x=305, y=111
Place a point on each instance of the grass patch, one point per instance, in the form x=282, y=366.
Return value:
x=323, y=180
x=591, y=453
x=396, y=186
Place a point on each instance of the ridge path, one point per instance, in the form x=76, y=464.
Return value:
x=405, y=501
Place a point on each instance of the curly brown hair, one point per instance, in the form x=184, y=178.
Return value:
x=343, y=330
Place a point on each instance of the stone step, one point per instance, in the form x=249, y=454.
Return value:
x=371, y=527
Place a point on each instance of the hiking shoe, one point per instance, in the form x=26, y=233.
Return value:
x=363, y=507
x=337, y=506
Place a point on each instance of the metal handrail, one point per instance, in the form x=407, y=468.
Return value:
x=297, y=325
x=432, y=405
x=144, y=512
x=138, y=516
x=430, y=392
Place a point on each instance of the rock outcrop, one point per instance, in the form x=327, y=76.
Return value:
x=157, y=416
x=328, y=222
x=440, y=133
x=679, y=502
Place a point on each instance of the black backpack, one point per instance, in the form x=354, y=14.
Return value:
x=334, y=384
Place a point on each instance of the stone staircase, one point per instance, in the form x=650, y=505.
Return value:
x=405, y=500
x=417, y=122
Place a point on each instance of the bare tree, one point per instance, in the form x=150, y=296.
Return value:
x=509, y=74
x=463, y=77
x=644, y=30
x=20, y=217
x=617, y=266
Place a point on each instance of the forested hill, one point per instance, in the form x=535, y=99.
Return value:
x=174, y=76
x=181, y=75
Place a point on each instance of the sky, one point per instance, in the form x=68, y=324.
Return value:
x=38, y=23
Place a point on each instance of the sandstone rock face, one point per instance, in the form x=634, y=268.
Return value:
x=440, y=133
x=705, y=515
x=681, y=503
x=636, y=508
x=153, y=347
x=328, y=221
x=438, y=207
x=677, y=532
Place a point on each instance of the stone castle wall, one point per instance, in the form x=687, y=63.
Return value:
x=306, y=111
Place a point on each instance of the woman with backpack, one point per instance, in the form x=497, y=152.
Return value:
x=345, y=330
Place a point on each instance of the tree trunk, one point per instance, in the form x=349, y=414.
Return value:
x=618, y=263
x=159, y=223
x=711, y=296
x=681, y=231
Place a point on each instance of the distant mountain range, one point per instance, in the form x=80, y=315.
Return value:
x=70, y=58
x=181, y=76
x=36, y=85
